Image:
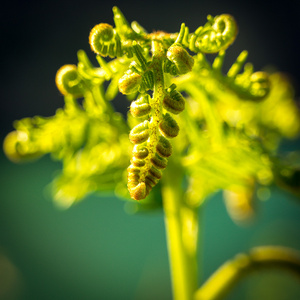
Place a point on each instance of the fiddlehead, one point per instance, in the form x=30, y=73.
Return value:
x=217, y=34
x=173, y=100
x=115, y=42
x=144, y=74
x=168, y=126
x=180, y=58
x=68, y=81
x=140, y=107
x=105, y=41
x=130, y=82
x=179, y=61
x=254, y=86
x=140, y=133
x=152, y=147
x=249, y=85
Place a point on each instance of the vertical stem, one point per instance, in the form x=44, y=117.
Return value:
x=181, y=230
x=181, y=220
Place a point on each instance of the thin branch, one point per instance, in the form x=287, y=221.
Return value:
x=231, y=272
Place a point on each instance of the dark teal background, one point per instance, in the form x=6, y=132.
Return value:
x=95, y=250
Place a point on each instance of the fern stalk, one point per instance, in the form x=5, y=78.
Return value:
x=181, y=224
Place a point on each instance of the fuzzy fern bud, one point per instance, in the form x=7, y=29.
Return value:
x=140, y=133
x=129, y=83
x=173, y=101
x=164, y=147
x=140, y=107
x=181, y=58
x=140, y=151
x=137, y=162
x=137, y=190
x=159, y=162
x=168, y=126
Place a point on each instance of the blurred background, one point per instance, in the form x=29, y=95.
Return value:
x=95, y=250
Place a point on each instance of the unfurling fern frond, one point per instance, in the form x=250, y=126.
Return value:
x=152, y=147
x=173, y=100
x=105, y=41
x=68, y=81
x=248, y=85
x=216, y=35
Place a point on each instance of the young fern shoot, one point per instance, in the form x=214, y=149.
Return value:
x=222, y=135
x=152, y=57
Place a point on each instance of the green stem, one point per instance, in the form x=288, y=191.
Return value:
x=181, y=230
x=181, y=221
x=229, y=274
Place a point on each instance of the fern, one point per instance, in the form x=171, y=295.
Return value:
x=189, y=122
